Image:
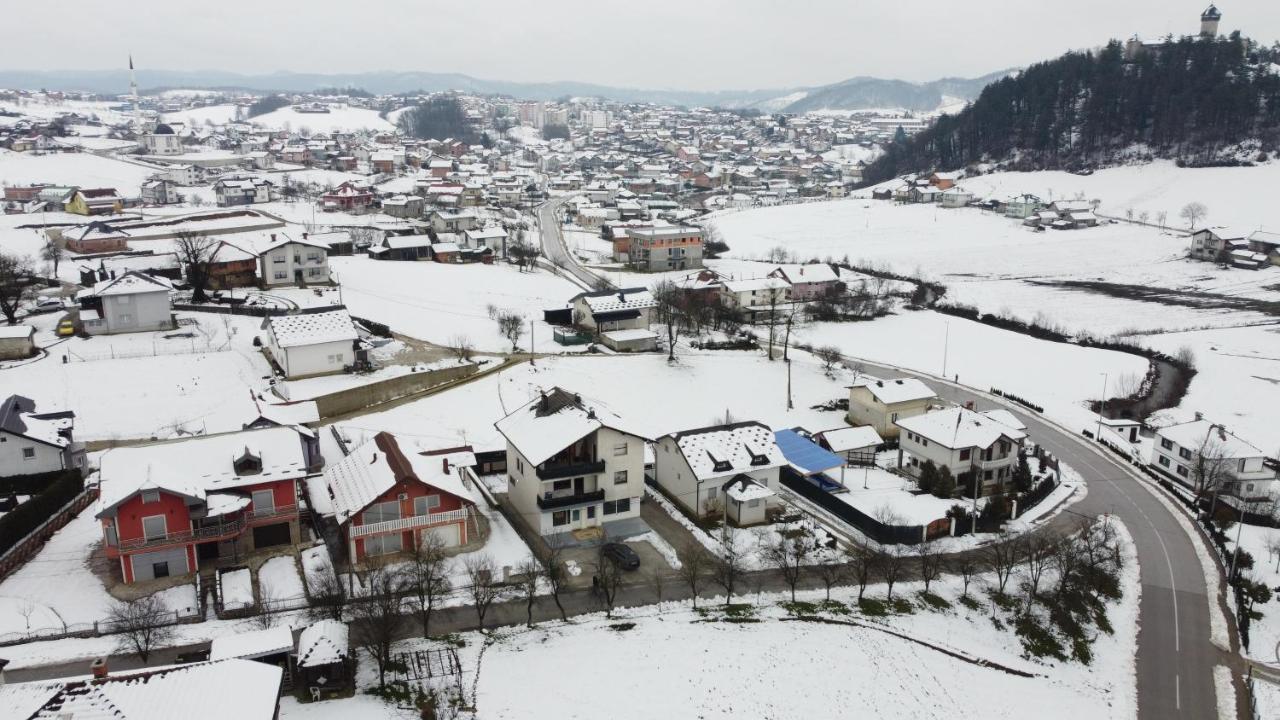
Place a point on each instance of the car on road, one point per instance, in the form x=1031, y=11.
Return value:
x=66, y=328
x=621, y=555
x=49, y=303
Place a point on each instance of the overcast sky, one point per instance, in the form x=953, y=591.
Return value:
x=685, y=44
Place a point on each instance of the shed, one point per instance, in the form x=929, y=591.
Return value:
x=17, y=341
x=323, y=662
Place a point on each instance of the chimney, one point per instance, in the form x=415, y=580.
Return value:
x=273, y=237
x=1199, y=415
x=99, y=668
x=3, y=662
x=446, y=465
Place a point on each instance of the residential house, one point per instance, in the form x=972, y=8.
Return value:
x=955, y=197
x=810, y=282
x=444, y=221
x=857, y=445
x=212, y=690
x=620, y=317
x=231, y=192
x=756, y=297
x=731, y=469
x=185, y=175
x=283, y=260
x=95, y=237
x=309, y=344
x=32, y=443
x=1226, y=245
x=882, y=403
x=231, y=266
x=167, y=508
x=17, y=341
x=132, y=302
x=1023, y=206
x=94, y=201
x=347, y=197
x=158, y=191
x=388, y=497
x=572, y=464
x=402, y=247
x=404, y=206
x=658, y=249
x=492, y=237
x=976, y=448
x=1205, y=456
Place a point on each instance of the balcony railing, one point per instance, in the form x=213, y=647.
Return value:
x=575, y=469
x=552, y=503
x=408, y=523
x=221, y=531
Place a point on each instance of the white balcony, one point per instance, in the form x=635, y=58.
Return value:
x=409, y=523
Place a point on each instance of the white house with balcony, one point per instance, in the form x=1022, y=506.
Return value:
x=756, y=297
x=731, y=469
x=573, y=465
x=286, y=261
x=963, y=441
x=1203, y=453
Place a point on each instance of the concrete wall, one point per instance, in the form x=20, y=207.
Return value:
x=350, y=400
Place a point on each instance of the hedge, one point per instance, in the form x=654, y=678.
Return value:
x=17, y=524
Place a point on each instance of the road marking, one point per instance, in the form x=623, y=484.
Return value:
x=1177, y=692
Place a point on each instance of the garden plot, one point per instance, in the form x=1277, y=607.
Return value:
x=58, y=589
x=235, y=589
x=279, y=581
x=437, y=302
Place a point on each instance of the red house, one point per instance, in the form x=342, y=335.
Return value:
x=347, y=196
x=386, y=499
x=169, y=508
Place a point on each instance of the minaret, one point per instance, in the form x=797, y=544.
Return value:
x=1209, y=22
x=133, y=91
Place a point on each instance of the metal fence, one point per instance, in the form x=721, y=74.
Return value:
x=869, y=526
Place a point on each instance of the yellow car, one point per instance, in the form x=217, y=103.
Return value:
x=65, y=328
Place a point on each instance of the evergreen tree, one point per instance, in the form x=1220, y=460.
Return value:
x=928, y=479
x=945, y=485
x=1022, y=474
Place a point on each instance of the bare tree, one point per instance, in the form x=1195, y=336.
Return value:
x=328, y=596
x=830, y=357
x=267, y=602
x=966, y=565
x=830, y=572
x=530, y=572
x=695, y=564
x=1193, y=213
x=1002, y=557
x=141, y=625
x=929, y=560
x=427, y=577
x=658, y=582
x=15, y=276
x=727, y=569
x=607, y=580
x=462, y=347
x=669, y=313
x=862, y=563
x=195, y=251
x=511, y=327
x=891, y=561
x=1038, y=550
x=556, y=574
x=375, y=617
x=53, y=253
x=1209, y=469
x=482, y=576
x=525, y=254
x=788, y=556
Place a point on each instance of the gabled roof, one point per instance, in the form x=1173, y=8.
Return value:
x=804, y=455
x=851, y=438
x=18, y=417
x=132, y=283
x=958, y=428
x=811, y=273
x=380, y=464
x=894, y=391
x=555, y=420
x=311, y=328
x=725, y=450
x=602, y=301
x=323, y=643
x=1202, y=433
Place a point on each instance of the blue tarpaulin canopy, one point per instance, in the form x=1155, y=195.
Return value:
x=805, y=455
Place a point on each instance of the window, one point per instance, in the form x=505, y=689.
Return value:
x=150, y=496
x=520, y=464
x=1248, y=487
x=335, y=359
x=621, y=449
x=753, y=503
x=1164, y=461
x=277, y=258
x=1166, y=443
x=29, y=453
x=893, y=417
x=964, y=454
x=383, y=544
x=160, y=569
x=561, y=517
x=986, y=474
x=381, y=512
x=620, y=477
x=154, y=527
x=613, y=507
x=313, y=257
x=125, y=318
x=425, y=504
x=591, y=512
x=281, y=275
x=1182, y=470
x=1184, y=453
x=110, y=531
x=561, y=485
x=264, y=502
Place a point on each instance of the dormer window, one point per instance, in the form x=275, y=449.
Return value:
x=247, y=463
x=150, y=496
x=718, y=465
x=758, y=458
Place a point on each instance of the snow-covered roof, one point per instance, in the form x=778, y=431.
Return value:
x=851, y=438
x=629, y=335
x=445, y=247
x=1201, y=433
x=742, y=488
x=132, y=283
x=252, y=644
x=295, y=413
x=893, y=391
x=379, y=465
x=636, y=298
x=311, y=328
x=1006, y=418
x=555, y=420
x=811, y=273
x=200, y=465
x=726, y=450
x=756, y=284
x=9, y=332
x=960, y=428
x=18, y=417
x=213, y=690
x=323, y=643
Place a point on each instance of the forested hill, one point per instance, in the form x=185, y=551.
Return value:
x=1187, y=99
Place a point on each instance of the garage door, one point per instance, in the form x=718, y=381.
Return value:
x=448, y=534
x=271, y=535
x=162, y=563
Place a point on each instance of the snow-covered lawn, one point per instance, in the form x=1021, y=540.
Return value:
x=235, y=587
x=1264, y=634
x=279, y=581
x=339, y=118
x=436, y=302
x=57, y=588
x=79, y=169
x=879, y=493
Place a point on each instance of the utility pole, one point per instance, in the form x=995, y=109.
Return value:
x=1102, y=405
x=790, y=404
x=532, y=344
x=946, y=342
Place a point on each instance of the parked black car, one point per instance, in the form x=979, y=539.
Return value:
x=622, y=555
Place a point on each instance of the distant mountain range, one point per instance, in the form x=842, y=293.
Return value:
x=853, y=94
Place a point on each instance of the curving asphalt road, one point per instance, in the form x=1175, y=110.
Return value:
x=1176, y=657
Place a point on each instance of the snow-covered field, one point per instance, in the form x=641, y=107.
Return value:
x=435, y=302
x=201, y=116
x=1264, y=634
x=79, y=169
x=339, y=117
